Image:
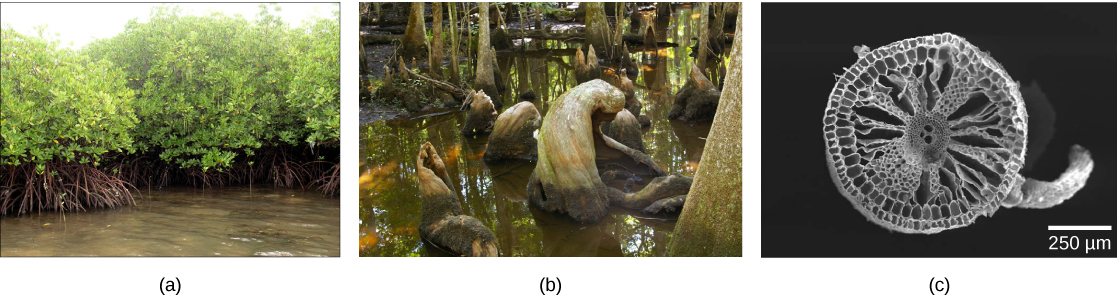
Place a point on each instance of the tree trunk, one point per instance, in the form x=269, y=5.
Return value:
x=538, y=18
x=435, y=62
x=415, y=37
x=455, y=76
x=663, y=10
x=468, y=38
x=364, y=72
x=717, y=30
x=483, y=79
x=522, y=71
x=364, y=62
x=710, y=224
x=598, y=33
x=618, y=35
x=523, y=25
x=703, y=35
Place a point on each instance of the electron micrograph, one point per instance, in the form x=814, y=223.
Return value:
x=960, y=138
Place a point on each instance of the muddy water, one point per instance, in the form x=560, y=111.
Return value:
x=231, y=221
x=495, y=193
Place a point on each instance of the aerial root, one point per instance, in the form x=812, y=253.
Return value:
x=67, y=186
x=330, y=183
x=1042, y=194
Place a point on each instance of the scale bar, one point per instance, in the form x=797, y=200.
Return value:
x=1079, y=228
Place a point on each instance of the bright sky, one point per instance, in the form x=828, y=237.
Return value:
x=82, y=23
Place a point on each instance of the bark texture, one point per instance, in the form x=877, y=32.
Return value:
x=710, y=224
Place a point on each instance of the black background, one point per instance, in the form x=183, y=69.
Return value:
x=1070, y=49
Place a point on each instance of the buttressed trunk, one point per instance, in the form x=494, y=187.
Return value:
x=415, y=36
x=570, y=145
x=484, y=77
x=598, y=33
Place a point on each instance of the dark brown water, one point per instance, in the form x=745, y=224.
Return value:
x=231, y=221
x=495, y=193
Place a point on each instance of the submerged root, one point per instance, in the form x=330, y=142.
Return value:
x=657, y=195
x=666, y=206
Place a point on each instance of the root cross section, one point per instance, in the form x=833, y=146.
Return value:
x=925, y=134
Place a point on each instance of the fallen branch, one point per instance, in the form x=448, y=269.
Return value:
x=380, y=39
x=632, y=39
x=458, y=93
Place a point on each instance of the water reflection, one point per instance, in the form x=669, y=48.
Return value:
x=495, y=193
x=231, y=221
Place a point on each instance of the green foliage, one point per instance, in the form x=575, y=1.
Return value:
x=315, y=89
x=58, y=105
x=544, y=8
x=211, y=88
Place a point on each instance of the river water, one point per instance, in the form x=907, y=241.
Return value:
x=495, y=193
x=230, y=221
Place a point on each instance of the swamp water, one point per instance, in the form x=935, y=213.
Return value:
x=495, y=193
x=178, y=221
